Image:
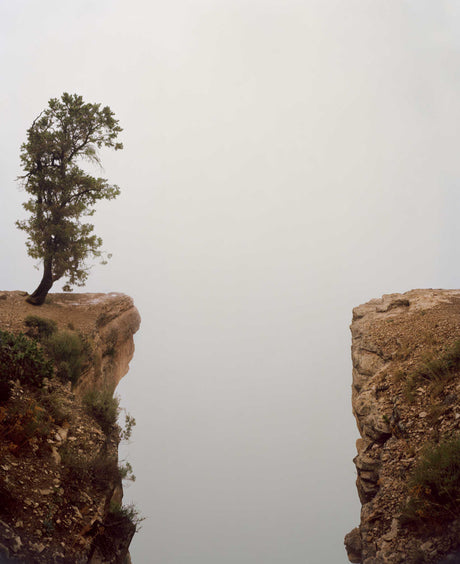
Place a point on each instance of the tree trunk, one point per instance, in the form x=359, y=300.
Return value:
x=39, y=296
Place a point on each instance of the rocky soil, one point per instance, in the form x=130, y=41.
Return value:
x=397, y=415
x=58, y=487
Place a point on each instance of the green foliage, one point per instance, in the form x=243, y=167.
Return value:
x=103, y=407
x=126, y=432
x=67, y=133
x=70, y=352
x=39, y=328
x=130, y=513
x=125, y=471
x=434, y=486
x=22, y=359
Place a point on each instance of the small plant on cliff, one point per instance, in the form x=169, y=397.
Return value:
x=39, y=328
x=434, y=371
x=67, y=133
x=434, y=487
x=68, y=349
x=103, y=406
x=22, y=423
x=442, y=368
x=125, y=471
x=70, y=352
x=127, y=430
x=22, y=359
x=125, y=513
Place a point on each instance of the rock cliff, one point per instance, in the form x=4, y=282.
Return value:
x=60, y=478
x=406, y=401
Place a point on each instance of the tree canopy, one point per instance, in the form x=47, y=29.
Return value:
x=67, y=133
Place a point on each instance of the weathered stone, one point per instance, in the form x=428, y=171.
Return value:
x=56, y=457
x=353, y=546
x=391, y=337
x=44, y=514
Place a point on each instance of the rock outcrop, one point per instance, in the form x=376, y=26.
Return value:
x=405, y=395
x=60, y=478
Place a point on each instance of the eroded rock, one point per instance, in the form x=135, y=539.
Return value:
x=391, y=336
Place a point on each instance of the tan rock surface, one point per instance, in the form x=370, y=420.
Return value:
x=391, y=337
x=108, y=320
x=56, y=489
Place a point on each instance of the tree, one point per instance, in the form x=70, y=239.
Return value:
x=68, y=132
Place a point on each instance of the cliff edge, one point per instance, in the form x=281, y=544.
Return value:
x=60, y=477
x=406, y=401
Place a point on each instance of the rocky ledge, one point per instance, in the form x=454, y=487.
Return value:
x=60, y=478
x=406, y=398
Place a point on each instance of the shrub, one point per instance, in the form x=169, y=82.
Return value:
x=104, y=471
x=119, y=526
x=55, y=406
x=128, y=513
x=434, y=487
x=125, y=471
x=70, y=353
x=99, y=469
x=76, y=465
x=21, y=423
x=126, y=432
x=39, y=327
x=22, y=359
x=103, y=406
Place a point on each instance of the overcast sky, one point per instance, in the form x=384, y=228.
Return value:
x=284, y=161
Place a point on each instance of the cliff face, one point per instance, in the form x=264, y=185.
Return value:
x=405, y=397
x=60, y=479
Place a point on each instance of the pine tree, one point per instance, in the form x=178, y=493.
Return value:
x=68, y=132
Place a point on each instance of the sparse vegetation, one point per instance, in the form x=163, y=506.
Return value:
x=22, y=359
x=55, y=406
x=433, y=371
x=70, y=353
x=39, y=328
x=434, y=487
x=22, y=423
x=68, y=349
x=129, y=513
x=125, y=471
x=127, y=430
x=103, y=406
x=441, y=368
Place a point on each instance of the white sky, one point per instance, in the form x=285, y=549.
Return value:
x=284, y=161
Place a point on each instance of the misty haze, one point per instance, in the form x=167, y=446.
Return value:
x=283, y=162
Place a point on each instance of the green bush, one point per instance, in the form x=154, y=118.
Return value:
x=128, y=513
x=125, y=471
x=434, y=487
x=70, y=353
x=22, y=359
x=103, y=407
x=39, y=327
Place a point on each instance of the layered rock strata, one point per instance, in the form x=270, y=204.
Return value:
x=396, y=417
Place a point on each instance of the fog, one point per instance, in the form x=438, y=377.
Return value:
x=284, y=161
